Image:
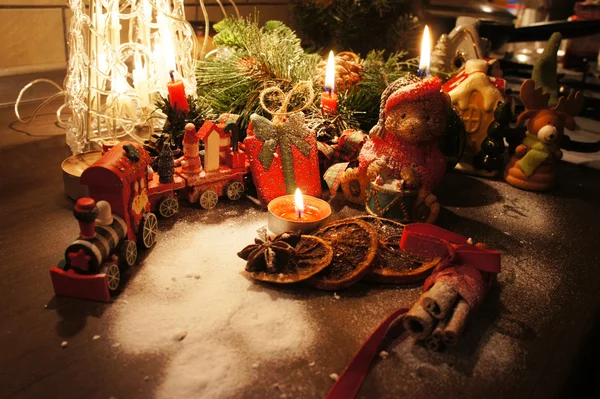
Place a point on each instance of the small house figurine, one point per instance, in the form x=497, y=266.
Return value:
x=476, y=93
x=214, y=138
x=533, y=166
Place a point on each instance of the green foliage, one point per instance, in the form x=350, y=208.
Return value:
x=359, y=108
x=176, y=120
x=343, y=24
x=249, y=59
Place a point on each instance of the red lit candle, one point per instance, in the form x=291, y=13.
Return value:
x=329, y=99
x=177, y=96
x=297, y=213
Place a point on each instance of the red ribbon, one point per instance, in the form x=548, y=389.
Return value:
x=349, y=383
x=469, y=269
x=471, y=264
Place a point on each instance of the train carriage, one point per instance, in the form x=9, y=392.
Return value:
x=120, y=177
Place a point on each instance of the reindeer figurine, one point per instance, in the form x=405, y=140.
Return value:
x=533, y=166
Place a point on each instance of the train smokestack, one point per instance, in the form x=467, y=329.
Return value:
x=86, y=212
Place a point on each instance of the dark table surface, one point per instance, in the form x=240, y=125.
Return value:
x=535, y=336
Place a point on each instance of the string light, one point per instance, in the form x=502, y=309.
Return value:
x=111, y=86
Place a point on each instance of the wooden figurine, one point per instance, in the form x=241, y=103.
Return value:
x=190, y=163
x=214, y=138
x=113, y=221
x=533, y=166
x=219, y=175
x=476, y=94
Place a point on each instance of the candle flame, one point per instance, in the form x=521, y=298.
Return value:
x=298, y=203
x=425, y=58
x=330, y=73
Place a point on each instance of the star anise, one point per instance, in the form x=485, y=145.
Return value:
x=268, y=253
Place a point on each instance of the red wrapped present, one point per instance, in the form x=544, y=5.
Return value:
x=283, y=155
x=236, y=159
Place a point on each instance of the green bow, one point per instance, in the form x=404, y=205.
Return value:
x=286, y=132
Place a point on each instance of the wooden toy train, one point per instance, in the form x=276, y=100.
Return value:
x=124, y=194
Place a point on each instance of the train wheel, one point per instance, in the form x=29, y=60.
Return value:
x=209, y=199
x=129, y=252
x=235, y=190
x=113, y=275
x=149, y=228
x=168, y=207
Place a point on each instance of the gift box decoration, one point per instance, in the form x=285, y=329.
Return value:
x=283, y=156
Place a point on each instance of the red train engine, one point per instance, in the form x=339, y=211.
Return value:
x=113, y=222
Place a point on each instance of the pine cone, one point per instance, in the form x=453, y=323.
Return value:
x=348, y=71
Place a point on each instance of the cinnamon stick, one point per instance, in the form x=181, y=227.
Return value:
x=439, y=300
x=418, y=322
x=456, y=323
x=438, y=331
x=434, y=343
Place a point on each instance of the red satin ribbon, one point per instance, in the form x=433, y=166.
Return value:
x=469, y=268
x=350, y=381
x=427, y=241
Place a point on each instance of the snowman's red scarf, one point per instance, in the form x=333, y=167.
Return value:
x=462, y=264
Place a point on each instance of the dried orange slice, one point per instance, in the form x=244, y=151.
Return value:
x=288, y=258
x=392, y=264
x=354, y=244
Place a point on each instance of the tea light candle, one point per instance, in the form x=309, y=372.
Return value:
x=297, y=212
x=329, y=100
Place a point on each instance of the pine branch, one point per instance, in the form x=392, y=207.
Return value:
x=256, y=57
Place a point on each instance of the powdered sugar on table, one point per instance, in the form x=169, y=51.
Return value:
x=230, y=324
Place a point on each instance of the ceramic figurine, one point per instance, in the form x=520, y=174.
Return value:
x=476, y=94
x=462, y=44
x=533, y=166
x=403, y=147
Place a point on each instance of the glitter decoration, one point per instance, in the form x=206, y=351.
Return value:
x=283, y=133
x=283, y=156
x=111, y=85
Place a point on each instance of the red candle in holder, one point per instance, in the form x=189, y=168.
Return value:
x=329, y=100
x=297, y=213
x=177, y=96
